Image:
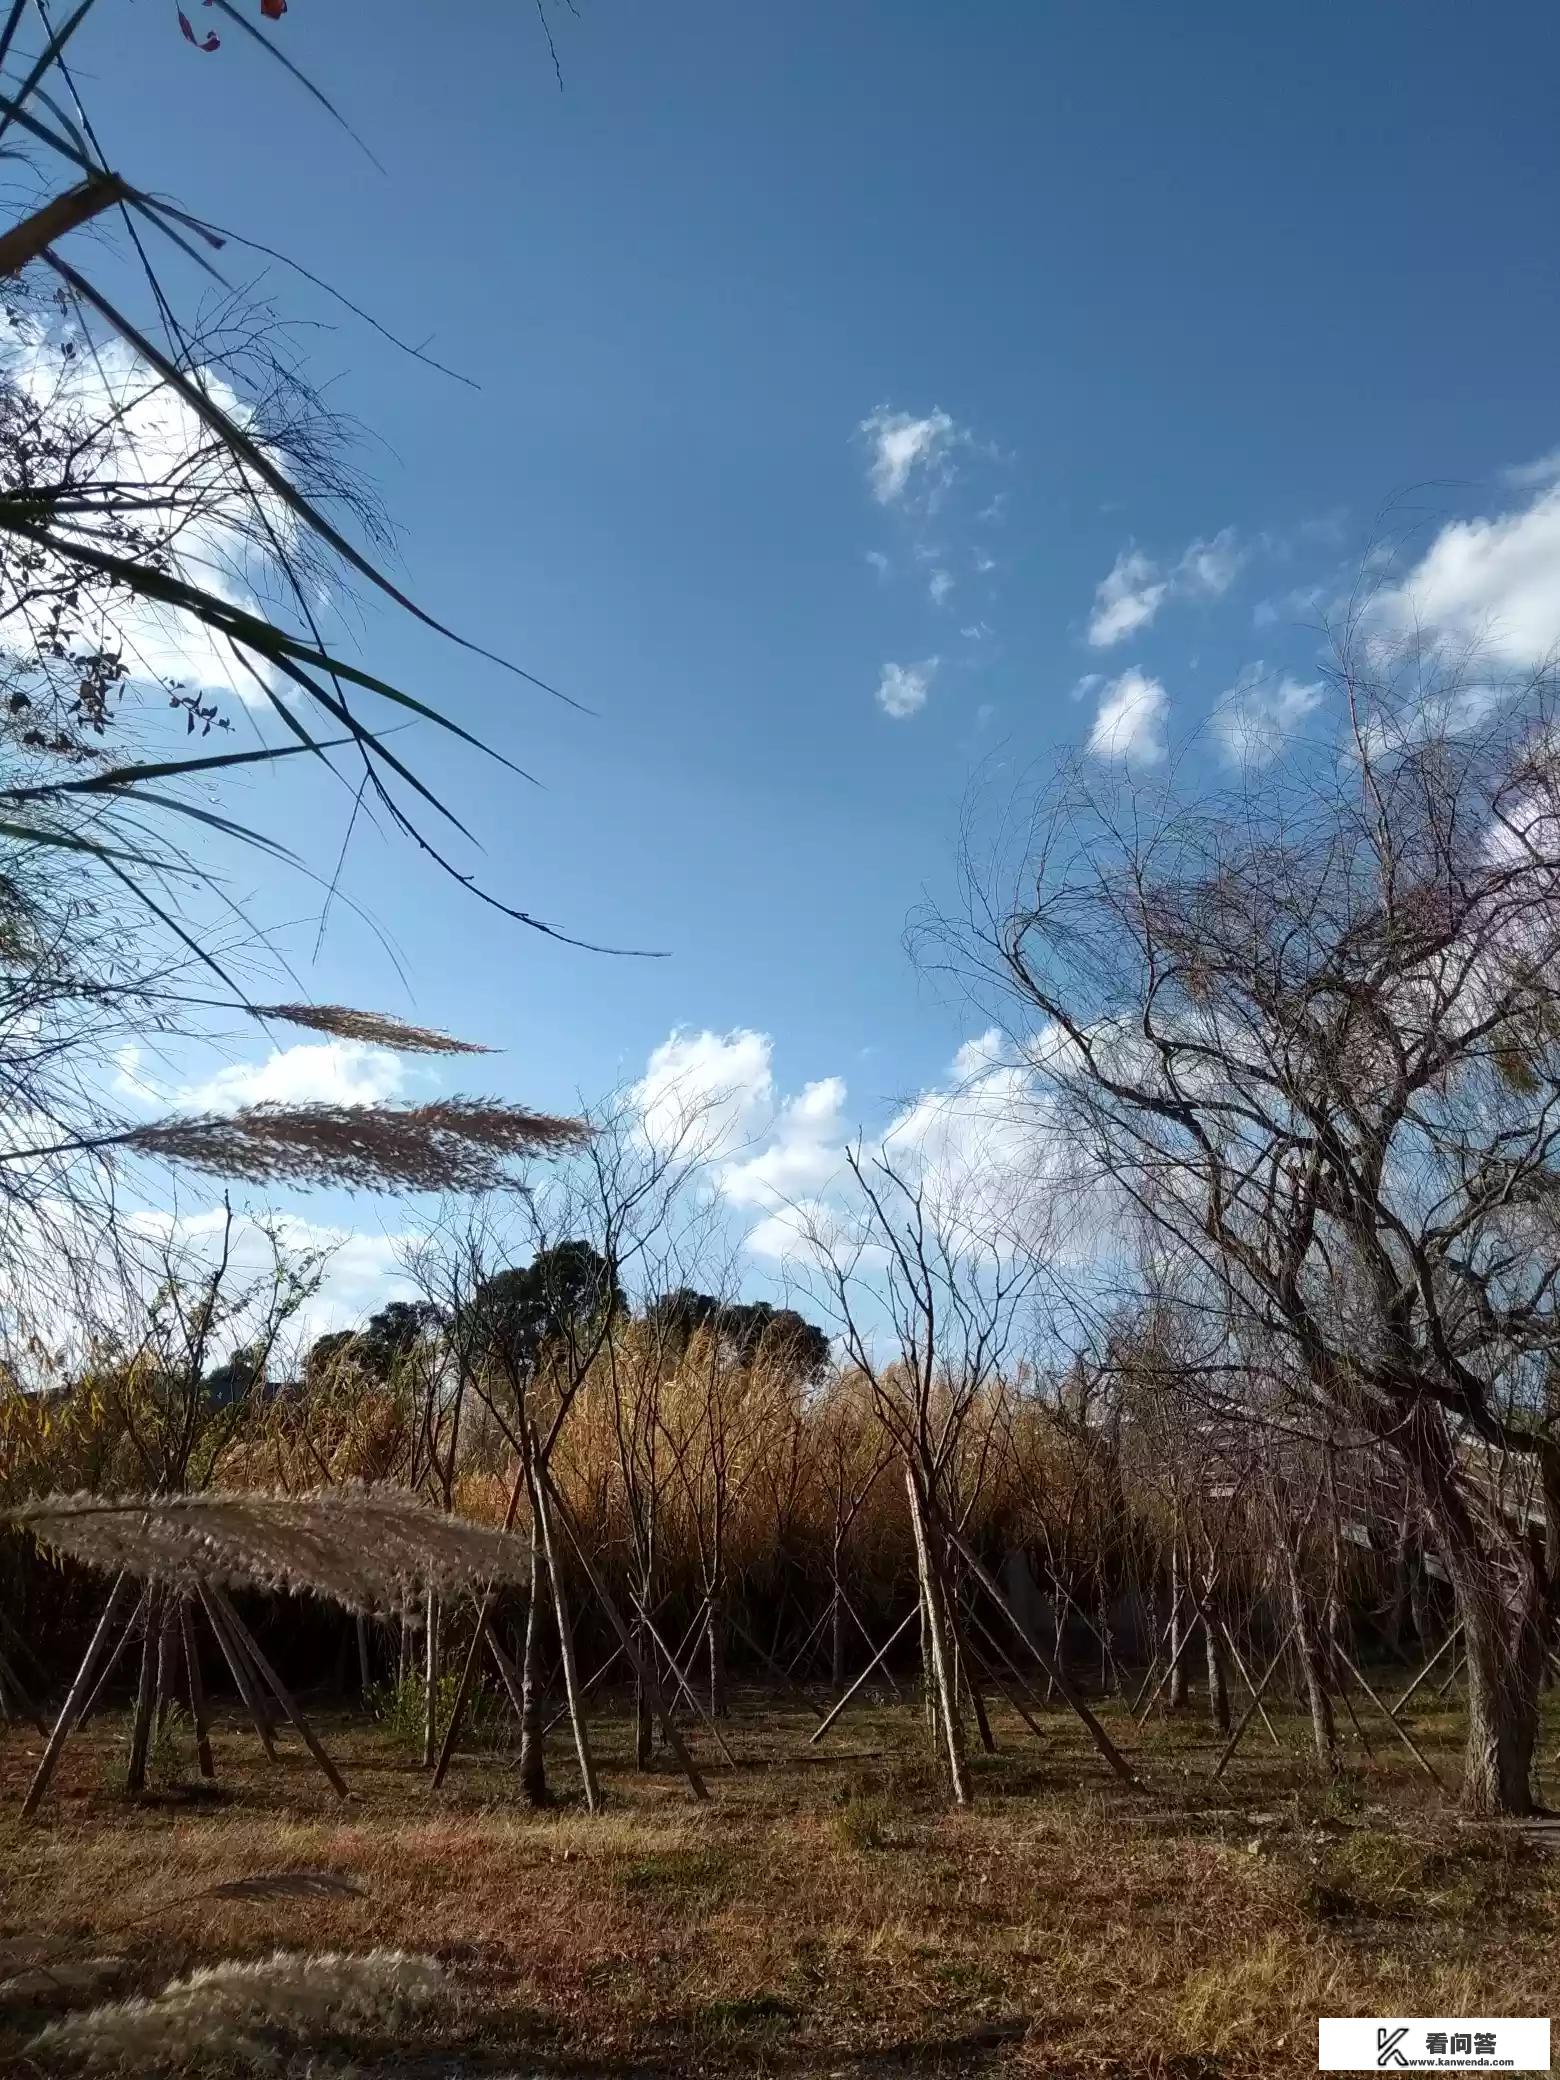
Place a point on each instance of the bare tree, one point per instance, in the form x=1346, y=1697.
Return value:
x=928, y=1312
x=1309, y=1026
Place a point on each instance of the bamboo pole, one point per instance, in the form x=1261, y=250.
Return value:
x=686, y=1687
x=508, y=1674
x=26, y=241
x=430, y=1675
x=933, y=1591
x=793, y=1686
x=853, y=1615
x=1229, y=1638
x=483, y=1630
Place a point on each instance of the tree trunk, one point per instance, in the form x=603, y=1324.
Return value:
x=644, y=1718
x=1177, y=1696
x=1323, y=1732
x=1502, y=1727
x=836, y=1631
x=938, y=1630
x=1218, y=1679
x=1501, y=1588
x=145, y=1694
x=715, y=1636
x=540, y=1514
x=431, y=1660
x=1421, y=1605
x=533, y=1766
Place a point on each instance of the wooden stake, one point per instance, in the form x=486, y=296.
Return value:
x=283, y=1696
x=1101, y=1739
x=893, y=1639
x=1401, y=1731
x=146, y=1693
x=75, y=1699
x=1445, y=1647
x=571, y=1686
x=638, y=1662
x=198, y=1713
x=1250, y=1712
x=238, y=1668
x=687, y=1690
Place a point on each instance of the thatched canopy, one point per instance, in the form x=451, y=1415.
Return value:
x=367, y=1548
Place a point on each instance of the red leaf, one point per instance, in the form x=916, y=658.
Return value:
x=201, y=43
x=273, y=10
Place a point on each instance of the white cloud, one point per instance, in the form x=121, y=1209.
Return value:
x=332, y=1072
x=1131, y=718
x=997, y=1168
x=903, y=688
x=879, y=563
x=804, y=1151
x=939, y=587
x=902, y=446
x=1487, y=584
x=1126, y=599
x=362, y=1270
x=145, y=436
x=706, y=1093
x=1258, y=716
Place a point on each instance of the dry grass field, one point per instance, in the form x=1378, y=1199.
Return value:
x=824, y=1915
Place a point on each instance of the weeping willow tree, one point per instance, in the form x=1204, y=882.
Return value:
x=175, y=505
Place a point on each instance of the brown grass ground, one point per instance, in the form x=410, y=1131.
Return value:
x=819, y=1916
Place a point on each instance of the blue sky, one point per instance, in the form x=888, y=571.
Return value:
x=1194, y=296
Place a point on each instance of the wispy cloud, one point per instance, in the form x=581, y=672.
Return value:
x=1261, y=714
x=1532, y=476
x=1129, y=724
x=908, y=453
x=1128, y=598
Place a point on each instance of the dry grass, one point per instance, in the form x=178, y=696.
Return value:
x=817, y=1917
